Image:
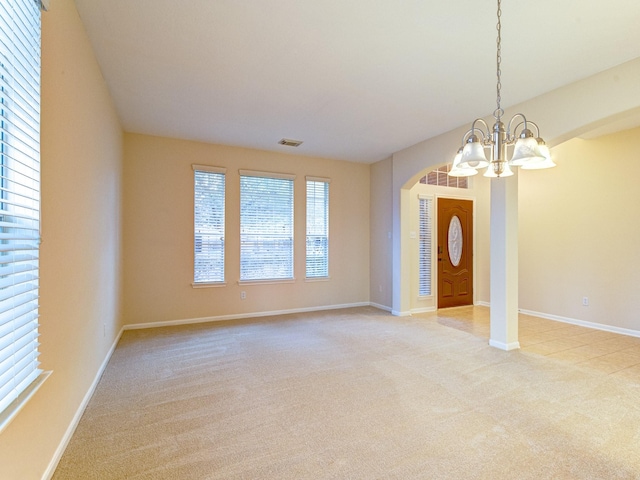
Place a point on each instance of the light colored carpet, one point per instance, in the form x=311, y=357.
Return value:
x=348, y=394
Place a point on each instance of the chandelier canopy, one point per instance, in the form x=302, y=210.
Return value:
x=529, y=150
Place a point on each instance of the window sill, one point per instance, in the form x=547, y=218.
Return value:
x=267, y=281
x=209, y=284
x=7, y=416
x=317, y=279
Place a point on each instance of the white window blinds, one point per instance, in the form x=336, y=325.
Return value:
x=19, y=203
x=266, y=226
x=209, y=215
x=317, y=228
x=424, y=247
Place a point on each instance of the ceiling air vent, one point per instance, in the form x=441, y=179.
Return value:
x=290, y=143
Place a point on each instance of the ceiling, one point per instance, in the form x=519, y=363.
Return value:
x=353, y=79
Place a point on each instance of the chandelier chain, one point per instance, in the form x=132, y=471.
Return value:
x=528, y=151
x=498, y=113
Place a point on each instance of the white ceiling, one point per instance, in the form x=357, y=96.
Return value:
x=354, y=79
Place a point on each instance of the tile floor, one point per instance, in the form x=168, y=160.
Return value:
x=610, y=353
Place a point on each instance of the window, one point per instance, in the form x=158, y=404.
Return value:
x=209, y=189
x=424, y=282
x=439, y=177
x=266, y=226
x=317, y=227
x=20, y=375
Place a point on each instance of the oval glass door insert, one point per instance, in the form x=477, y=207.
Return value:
x=455, y=241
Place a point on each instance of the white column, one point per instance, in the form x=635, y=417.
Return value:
x=401, y=290
x=504, y=263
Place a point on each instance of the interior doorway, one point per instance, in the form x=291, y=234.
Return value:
x=455, y=252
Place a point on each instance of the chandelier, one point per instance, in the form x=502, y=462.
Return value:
x=529, y=150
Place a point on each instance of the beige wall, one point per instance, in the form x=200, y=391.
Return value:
x=380, y=235
x=158, y=232
x=580, y=230
x=81, y=145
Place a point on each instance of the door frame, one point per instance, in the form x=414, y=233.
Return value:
x=429, y=303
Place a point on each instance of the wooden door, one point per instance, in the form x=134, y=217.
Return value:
x=455, y=252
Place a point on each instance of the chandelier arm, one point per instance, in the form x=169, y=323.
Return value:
x=528, y=122
x=511, y=134
x=535, y=125
x=484, y=134
x=486, y=125
x=515, y=129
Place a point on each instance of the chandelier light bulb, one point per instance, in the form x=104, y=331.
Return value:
x=473, y=154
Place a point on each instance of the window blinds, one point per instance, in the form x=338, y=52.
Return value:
x=19, y=202
x=317, y=228
x=209, y=217
x=424, y=282
x=266, y=226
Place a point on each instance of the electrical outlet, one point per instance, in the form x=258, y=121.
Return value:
x=585, y=301
x=243, y=295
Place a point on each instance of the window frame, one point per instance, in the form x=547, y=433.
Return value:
x=247, y=228
x=318, y=221
x=199, y=225
x=425, y=245
x=439, y=177
x=20, y=38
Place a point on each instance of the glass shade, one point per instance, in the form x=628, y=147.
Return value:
x=463, y=170
x=473, y=155
x=526, y=150
x=539, y=165
x=455, y=241
x=491, y=172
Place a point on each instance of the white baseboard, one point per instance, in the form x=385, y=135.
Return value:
x=415, y=311
x=575, y=321
x=582, y=323
x=505, y=346
x=380, y=307
x=51, y=468
x=240, y=316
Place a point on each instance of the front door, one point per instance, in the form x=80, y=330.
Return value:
x=455, y=255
